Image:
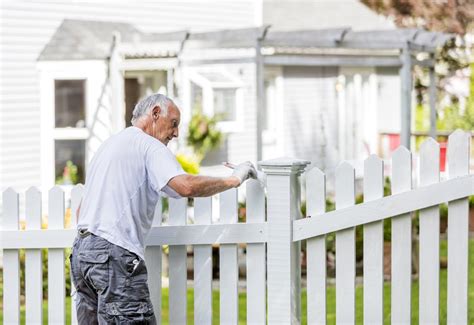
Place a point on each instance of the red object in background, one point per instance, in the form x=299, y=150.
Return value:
x=442, y=156
x=393, y=141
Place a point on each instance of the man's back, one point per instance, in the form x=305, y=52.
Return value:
x=122, y=188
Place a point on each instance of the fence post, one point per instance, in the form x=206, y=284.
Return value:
x=283, y=206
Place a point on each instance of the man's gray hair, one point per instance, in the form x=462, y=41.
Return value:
x=145, y=105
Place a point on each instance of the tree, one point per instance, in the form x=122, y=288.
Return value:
x=450, y=16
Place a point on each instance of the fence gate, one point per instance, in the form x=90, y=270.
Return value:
x=272, y=233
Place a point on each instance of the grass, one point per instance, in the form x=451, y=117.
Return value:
x=331, y=300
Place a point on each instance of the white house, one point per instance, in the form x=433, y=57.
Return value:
x=26, y=28
x=315, y=85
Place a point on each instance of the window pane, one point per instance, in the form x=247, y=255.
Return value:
x=132, y=96
x=70, y=158
x=267, y=107
x=224, y=104
x=196, y=98
x=69, y=103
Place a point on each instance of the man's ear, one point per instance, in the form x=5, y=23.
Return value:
x=156, y=112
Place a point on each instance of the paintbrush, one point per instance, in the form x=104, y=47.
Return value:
x=261, y=176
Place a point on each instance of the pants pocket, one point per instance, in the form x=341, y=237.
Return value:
x=95, y=268
x=130, y=312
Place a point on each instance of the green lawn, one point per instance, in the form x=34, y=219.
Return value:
x=331, y=298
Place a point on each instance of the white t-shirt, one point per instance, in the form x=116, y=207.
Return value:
x=124, y=181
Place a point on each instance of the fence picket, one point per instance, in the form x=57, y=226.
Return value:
x=177, y=263
x=56, y=280
x=373, y=245
x=458, y=231
x=429, y=238
x=153, y=255
x=33, y=261
x=256, y=284
x=401, y=241
x=203, y=266
x=76, y=198
x=345, y=248
x=11, y=261
x=228, y=270
x=316, y=249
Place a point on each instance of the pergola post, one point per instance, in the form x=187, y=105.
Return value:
x=260, y=100
x=406, y=87
x=432, y=95
x=170, y=82
x=117, y=85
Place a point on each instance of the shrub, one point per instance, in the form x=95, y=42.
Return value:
x=203, y=135
x=190, y=165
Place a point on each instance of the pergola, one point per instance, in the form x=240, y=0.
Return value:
x=131, y=49
x=402, y=48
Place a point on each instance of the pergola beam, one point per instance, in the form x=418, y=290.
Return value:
x=332, y=60
x=428, y=63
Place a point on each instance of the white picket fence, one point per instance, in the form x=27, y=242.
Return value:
x=273, y=233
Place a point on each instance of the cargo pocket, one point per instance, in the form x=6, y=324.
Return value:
x=130, y=312
x=95, y=268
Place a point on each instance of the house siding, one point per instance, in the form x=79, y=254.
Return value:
x=388, y=101
x=310, y=103
x=243, y=144
x=318, y=14
x=27, y=26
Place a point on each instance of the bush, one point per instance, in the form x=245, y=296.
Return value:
x=190, y=165
x=203, y=135
x=70, y=175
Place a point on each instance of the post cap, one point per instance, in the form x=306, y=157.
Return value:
x=285, y=165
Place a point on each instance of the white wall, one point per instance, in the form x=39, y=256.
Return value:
x=318, y=14
x=310, y=114
x=26, y=27
x=389, y=92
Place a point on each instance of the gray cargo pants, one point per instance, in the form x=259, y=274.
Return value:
x=111, y=283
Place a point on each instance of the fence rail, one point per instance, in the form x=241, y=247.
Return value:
x=273, y=233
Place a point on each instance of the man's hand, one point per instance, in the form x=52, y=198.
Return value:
x=244, y=171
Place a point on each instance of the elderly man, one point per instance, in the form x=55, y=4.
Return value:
x=125, y=179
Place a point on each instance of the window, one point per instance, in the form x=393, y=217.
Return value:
x=224, y=104
x=69, y=157
x=70, y=133
x=69, y=103
x=196, y=98
x=220, y=94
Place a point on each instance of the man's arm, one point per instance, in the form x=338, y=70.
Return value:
x=199, y=186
